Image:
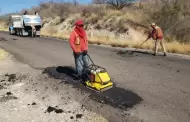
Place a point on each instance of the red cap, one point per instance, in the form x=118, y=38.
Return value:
x=79, y=22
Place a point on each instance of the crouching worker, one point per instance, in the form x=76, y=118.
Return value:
x=79, y=45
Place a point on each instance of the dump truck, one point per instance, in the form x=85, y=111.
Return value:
x=21, y=25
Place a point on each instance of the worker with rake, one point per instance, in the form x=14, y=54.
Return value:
x=157, y=35
x=79, y=45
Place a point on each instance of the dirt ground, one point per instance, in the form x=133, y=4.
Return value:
x=27, y=95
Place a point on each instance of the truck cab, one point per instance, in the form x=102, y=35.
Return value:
x=22, y=24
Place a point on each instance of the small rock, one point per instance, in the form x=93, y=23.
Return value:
x=79, y=116
x=50, y=109
x=71, y=117
x=33, y=103
x=83, y=107
x=58, y=110
x=2, y=80
x=8, y=93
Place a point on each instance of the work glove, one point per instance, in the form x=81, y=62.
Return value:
x=77, y=54
x=85, y=52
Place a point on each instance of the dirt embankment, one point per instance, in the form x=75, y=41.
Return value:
x=105, y=34
x=133, y=37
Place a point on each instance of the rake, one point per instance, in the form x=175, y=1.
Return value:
x=138, y=46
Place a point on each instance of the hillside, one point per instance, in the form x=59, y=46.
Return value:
x=126, y=27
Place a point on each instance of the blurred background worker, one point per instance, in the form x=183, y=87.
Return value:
x=33, y=29
x=25, y=13
x=79, y=45
x=157, y=35
x=35, y=13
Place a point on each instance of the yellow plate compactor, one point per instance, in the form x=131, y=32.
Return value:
x=96, y=77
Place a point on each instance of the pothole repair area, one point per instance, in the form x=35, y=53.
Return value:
x=116, y=97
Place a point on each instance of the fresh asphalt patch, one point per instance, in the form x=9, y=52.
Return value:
x=132, y=53
x=116, y=97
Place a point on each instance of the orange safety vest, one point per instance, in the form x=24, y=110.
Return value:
x=77, y=43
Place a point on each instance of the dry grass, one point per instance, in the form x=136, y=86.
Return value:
x=176, y=47
x=172, y=47
x=54, y=33
x=170, y=16
x=3, y=26
x=3, y=29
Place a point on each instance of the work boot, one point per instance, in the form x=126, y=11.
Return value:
x=165, y=54
x=77, y=77
x=154, y=54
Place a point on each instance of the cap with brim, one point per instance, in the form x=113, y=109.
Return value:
x=153, y=24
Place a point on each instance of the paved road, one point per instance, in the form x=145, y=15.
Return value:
x=161, y=85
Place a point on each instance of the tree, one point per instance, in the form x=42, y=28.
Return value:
x=75, y=2
x=119, y=4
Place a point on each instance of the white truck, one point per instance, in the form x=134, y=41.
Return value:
x=21, y=25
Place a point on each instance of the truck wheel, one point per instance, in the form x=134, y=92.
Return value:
x=10, y=33
x=17, y=32
x=21, y=32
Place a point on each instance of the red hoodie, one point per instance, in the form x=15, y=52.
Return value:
x=83, y=43
x=78, y=38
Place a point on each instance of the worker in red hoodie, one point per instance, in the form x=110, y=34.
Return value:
x=79, y=45
x=157, y=35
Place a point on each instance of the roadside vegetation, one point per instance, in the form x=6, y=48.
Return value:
x=123, y=23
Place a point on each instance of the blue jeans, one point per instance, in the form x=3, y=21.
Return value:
x=80, y=62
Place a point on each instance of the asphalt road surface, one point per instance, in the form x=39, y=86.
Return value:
x=148, y=88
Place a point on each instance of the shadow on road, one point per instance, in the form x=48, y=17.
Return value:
x=61, y=72
x=69, y=71
x=116, y=97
